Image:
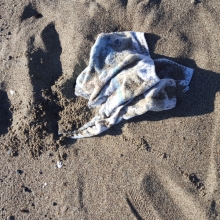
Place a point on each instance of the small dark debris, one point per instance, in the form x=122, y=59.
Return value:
x=40, y=172
x=145, y=143
x=65, y=183
x=24, y=210
x=124, y=3
x=15, y=154
x=10, y=57
x=122, y=155
x=197, y=2
x=165, y=155
x=148, y=148
x=200, y=186
x=10, y=218
x=9, y=33
x=64, y=156
x=32, y=204
x=50, y=154
x=19, y=171
x=26, y=189
x=213, y=205
x=184, y=38
x=54, y=204
x=38, y=16
x=196, y=181
x=213, y=212
x=193, y=178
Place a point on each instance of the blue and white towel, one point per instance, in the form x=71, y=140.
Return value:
x=121, y=81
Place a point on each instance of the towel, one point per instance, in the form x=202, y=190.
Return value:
x=121, y=81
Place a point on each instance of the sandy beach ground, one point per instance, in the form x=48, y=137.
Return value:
x=162, y=165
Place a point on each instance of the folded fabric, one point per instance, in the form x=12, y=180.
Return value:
x=121, y=81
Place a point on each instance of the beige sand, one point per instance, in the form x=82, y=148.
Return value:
x=157, y=166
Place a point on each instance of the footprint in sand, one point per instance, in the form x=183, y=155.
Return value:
x=44, y=65
x=162, y=198
x=44, y=69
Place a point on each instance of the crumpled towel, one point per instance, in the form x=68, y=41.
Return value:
x=121, y=81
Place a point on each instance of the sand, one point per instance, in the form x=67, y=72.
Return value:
x=161, y=165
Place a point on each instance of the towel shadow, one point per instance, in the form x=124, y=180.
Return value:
x=199, y=100
x=5, y=113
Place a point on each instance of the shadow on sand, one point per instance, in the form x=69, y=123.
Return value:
x=199, y=100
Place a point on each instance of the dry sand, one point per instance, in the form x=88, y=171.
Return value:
x=157, y=166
